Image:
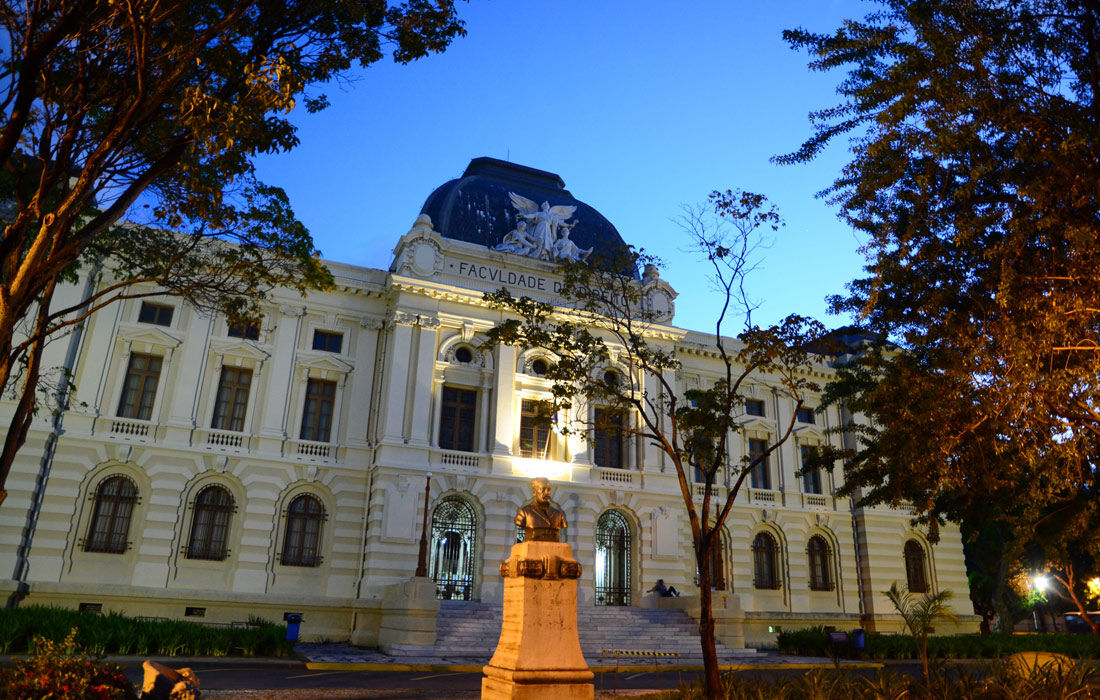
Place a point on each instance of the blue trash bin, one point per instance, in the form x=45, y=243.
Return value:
x=858, y=638
x=293, y=622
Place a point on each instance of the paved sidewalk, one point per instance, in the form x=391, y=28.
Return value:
x=334, y=656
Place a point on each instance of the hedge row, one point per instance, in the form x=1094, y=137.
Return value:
x=814, y=641
x=114, y=633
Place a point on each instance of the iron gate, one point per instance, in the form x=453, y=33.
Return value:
x=454, y=549
x=612, y=559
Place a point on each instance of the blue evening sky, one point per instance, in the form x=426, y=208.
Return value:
x=639, y=106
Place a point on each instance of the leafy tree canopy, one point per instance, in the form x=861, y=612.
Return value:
x=106, y=102
x=974, y=176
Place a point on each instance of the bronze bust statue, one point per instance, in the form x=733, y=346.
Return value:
x=540, y=521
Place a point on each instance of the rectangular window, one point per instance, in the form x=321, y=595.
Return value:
x=140, y=387
x=534, y=430
x=805, y=415
x=248, y=331
x=457, y=419
x=811, y=480
x=754, y=407
x=608, y=439
x=157, y=314
x=232, y=399
x=317, y=414
x=328, y=341
x=761, y=475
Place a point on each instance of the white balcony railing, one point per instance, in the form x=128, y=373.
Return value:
x=130, y=428
x=468, y=460
x=224, y=438
x=761, y=496
x=815, y=500
x=616, y=476
x=313, y=450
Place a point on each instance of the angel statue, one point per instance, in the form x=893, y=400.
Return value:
x=565, y=249
x=544, y=222
x=517, y=241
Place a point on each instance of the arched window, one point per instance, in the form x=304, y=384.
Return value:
x=210, y=524
x=916, y=571
x=821, y=574
x=114, y=504
x=302, y=541
x=454, y=556
x=613, y=545
x=765, y=559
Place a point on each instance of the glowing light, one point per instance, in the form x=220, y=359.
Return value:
x=555, y=471
x=1042, y=582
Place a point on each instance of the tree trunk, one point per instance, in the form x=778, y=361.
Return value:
x=711, y=676
x=24, y=410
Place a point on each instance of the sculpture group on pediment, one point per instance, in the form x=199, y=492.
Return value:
x=542, y=232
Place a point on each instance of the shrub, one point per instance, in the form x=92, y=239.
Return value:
x=114, y=633
x=994, y=682
x=61, y=670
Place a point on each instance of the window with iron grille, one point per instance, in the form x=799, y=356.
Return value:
x=454, y=556
x=114, y=505
x=232, y=399
x=534, y=430
x=157, y=314
x=609, y=438
x=210, y=524
x=613, y=550
x=765, y=560
x=916, y=572
x=248, y=331
x=805, y=415
x=821, y=574
x=760, y=478
x=811, y=478
x=317, y=413
x=457, y=419
x=139, y=390
x=302, y=541
x=328, y=341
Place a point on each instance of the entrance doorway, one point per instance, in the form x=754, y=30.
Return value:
x=454, y=549
x=612, y=559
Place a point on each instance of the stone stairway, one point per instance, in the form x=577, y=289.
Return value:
x=470, y=630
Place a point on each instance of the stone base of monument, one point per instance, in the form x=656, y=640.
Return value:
x=539, y=654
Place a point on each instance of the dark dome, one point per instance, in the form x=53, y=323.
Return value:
x=475, y=208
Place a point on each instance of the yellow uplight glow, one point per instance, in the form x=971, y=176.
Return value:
x=555, y=471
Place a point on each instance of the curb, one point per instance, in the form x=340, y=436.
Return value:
x=468, y=668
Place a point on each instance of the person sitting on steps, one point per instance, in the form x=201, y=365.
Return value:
x=664, y=591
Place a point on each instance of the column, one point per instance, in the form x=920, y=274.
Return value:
x=504, y=420
x=420, y=425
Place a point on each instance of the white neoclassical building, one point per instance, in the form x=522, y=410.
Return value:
x=212, y=472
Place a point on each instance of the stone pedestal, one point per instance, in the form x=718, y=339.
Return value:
x=539, y=654
x=408, y=614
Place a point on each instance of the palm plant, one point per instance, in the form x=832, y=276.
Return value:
x=919, y=614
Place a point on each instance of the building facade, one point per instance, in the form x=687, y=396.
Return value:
x=212, y=472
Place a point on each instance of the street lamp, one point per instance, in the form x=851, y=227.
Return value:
x=422, y=559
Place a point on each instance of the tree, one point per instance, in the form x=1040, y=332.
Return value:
x=157, y=109
x=920, y=614
x=973, y=176
x=611, y=349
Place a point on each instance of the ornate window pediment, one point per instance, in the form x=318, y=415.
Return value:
x=150, y=335
x=317, y=361
x=238, y=348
